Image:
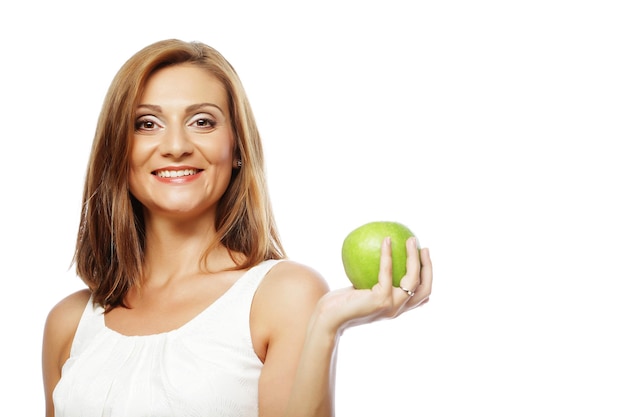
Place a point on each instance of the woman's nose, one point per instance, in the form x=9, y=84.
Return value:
x=176, y=142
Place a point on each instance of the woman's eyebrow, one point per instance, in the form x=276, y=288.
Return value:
x=156, y=109
x=199, y=106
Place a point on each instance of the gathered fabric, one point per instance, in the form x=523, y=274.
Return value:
x=207, y=367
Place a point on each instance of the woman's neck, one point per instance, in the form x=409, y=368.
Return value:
x=176, y=248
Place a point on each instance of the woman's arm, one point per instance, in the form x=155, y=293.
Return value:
x=299, y=372
x=58, y=334
x=282, y=307
x=313, y=391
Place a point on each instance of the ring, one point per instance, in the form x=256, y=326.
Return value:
x=409, y=292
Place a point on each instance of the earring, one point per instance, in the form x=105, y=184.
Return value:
x=239, y=163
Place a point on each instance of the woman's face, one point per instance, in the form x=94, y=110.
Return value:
x=182, y=151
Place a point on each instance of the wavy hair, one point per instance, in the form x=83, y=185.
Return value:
x=111, y=236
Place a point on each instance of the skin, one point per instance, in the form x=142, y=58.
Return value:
x=296, y=322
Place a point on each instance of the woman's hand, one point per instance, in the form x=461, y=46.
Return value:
x=350, y=307
x=312, y=393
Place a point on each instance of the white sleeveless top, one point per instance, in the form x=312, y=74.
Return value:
x=207, y=367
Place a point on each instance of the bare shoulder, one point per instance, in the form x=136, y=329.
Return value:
x=69, y=309
x=62, y=322
x=283, y=305
x=59, y=331
x=289, y=292
x=289, y=280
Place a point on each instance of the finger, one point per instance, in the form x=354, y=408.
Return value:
x=424, y=288
x=385, y=271
x=426, y=276
x=409, y=282
x=412, y=278
x=416, y=302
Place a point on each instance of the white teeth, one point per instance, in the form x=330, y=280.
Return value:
x=175, y=174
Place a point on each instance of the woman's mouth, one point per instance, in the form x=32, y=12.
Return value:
x=168, y=173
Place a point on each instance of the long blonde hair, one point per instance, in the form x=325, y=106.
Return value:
x=111, y=237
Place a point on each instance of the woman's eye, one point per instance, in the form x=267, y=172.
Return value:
x=203, y=122
x=145, y=124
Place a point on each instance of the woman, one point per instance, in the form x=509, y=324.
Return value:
x=191, y=307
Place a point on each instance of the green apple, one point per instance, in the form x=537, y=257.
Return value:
x=360, y=252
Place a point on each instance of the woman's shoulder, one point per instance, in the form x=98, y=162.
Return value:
x=72, y=305
x=289, y=286
x=284, y=303
x=63, y=318
x=295, y=279
x=289, y=289
x=59, y=331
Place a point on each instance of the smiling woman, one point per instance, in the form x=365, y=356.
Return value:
x=183, y=151
x=192, y=308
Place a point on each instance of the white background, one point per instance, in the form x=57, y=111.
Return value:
x=493, y=129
